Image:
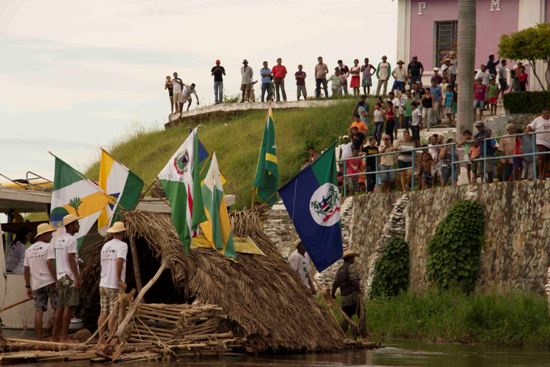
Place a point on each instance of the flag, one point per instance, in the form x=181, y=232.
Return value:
x=217, y=229
x=73, y=193
x=313, y=202
x=180, y=179
x=203, y=159
x=122, y=185
x=267, y=170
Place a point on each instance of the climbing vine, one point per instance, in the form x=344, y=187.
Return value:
x=454, y=251
x=391, y=271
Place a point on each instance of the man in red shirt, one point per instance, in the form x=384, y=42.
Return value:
x=279, y=73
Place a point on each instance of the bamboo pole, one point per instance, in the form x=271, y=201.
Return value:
x=15, y=304
x=135, y=263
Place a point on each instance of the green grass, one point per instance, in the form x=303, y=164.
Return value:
x=513, y=319
x=237, y=142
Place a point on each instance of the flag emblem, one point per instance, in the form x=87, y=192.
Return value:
x=324, y=205
x=181, y=162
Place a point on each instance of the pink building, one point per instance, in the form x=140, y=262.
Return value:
x=428, y=28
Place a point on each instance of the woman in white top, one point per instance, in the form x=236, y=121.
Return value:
x=15, y=254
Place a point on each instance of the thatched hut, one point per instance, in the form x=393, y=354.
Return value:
x=264, y=300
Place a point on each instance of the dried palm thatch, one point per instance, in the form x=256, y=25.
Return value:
x=263, y=298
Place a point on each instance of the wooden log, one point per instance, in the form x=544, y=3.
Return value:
x=135, y=263
x=15, y=304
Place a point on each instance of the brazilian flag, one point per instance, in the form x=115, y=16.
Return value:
x=266, y=182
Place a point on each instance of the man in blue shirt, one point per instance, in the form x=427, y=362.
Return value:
x=437, y=95
x=267, y=84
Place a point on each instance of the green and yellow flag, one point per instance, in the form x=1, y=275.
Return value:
x=266, y=182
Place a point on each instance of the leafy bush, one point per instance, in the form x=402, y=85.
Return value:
x=526, y=102
x=391, y=271
x=454, y=250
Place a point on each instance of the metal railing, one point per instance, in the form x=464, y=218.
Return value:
x=454, y=163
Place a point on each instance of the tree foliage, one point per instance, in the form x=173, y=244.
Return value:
x=455, y=249
x=529, y=44
x=391, y=271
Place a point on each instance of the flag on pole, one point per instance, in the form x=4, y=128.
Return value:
x=217, y=229
x=267, y=170
x=313, y=202
x=122, y=185
x=180, y=179
x=73, y=193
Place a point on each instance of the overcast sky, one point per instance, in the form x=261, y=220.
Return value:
x=76, y=75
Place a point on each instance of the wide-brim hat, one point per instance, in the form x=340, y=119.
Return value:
x=70, y=218
x=117, y=227
x=44, y=228
x=349, y=253
x=401, y=62
x=245, y=61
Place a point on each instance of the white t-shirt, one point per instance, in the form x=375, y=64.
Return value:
x=111, y=251
x=378, y=116
x=187, y=91
x=400, y=74
x=383, y=73
x=434, y=152
x=15, y=257
x=396, y=106
x=176, y=85
x=485, y=77
x=346, y=150
x=60, y=250
x=300, y=264
x=541, y=125
x=416, y=117
x=36, y=261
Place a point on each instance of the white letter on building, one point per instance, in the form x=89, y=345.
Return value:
x=421, y=7
x=495, y=5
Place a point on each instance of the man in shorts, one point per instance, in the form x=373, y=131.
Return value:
x=541, y=126
x=40, y=279
x=177, y=88
x=113, y=277
x=64, y=255
x=186, y=94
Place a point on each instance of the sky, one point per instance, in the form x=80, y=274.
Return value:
x=77, y=75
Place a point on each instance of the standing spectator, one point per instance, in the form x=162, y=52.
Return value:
x=492, y=65
x=514, y=82
x=527, y=160
x=267, y=85
x=345, y=148
x=406, y=107
x=507, y=145
x=447, y=158
x=484, y=75
x=417, y=91
x=15, y=253
x=368, y=71
x=438, y=79
x=218, y=72
x=448, y=103
x=445, y=68
x=541, y=126
x=415, y=70
x=355, y=72
x=321, y=71
x=383, y=72
x=370, y=163
x=437, y=95
x=246, y=81
x=344, y=73
x=363, y=109
x=404, y=159
x=168, y=85
x=400, y=77
x=467, y=144
x=386, y=162
x=378, y=122
x=503, y=77
x=492, y=96
x=336, y=83
x=299, y=262
x=453, y=68
x=390, y=119
x=300, y=76
x=188, y=90
x=427, y=108
x=480, y=90
x=358, y=138
x=434, y=149
x=425, y=171
x=396, y=101
x=416, y=122
x=523, y=79
x=487, y=150
x=279, y=74
x=361, y=126
x=177, y=86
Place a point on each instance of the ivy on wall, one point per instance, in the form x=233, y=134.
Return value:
x=391, y=271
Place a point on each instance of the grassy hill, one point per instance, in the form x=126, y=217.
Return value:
x=236, y=142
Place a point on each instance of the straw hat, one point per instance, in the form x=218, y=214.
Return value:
x=44, y=228
x=349, y=253
x=70, y=218
x=401, y=62
x=117, y=227
x=297, y=242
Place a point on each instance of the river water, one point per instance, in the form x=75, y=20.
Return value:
x=396, y=353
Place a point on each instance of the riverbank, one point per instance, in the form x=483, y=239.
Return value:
x=518, y=319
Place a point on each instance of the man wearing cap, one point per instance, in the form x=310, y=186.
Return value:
x=246, y=81
x=415, y=70
x=279, y=74
x=299, y=262
x=383, y=72
x=218, y=72
x=40, y=279
x=348, y=280
x=345, y=148
x=113, y=277
x=64, y=255
x=400, y=77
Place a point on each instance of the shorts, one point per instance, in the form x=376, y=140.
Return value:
x=503, y=84
x=246, y=87
x=178, y=97
x=107, y=300
x=386, y=176
x=449, y=111
x=398, y=85
x=543, y=157
x=427, y=178
x=479, y=104
x=403, y=164
x=518, y=162
x=366, y=82
x=492, y=100
x=68, y=295
x=42, y=295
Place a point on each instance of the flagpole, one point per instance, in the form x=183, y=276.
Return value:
x=147, y=190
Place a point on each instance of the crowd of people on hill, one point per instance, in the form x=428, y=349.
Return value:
x=491, y=80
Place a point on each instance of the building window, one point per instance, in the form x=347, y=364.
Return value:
x=445, y=40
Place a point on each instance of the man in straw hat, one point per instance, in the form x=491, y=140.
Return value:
x=64, y=255
x=299, y=262
x=113, y=276
x=348, y=280
x=40, y=279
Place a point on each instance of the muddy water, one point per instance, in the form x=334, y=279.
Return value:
x=395, y=354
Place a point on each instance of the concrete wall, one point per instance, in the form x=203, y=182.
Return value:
x=517, y=216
